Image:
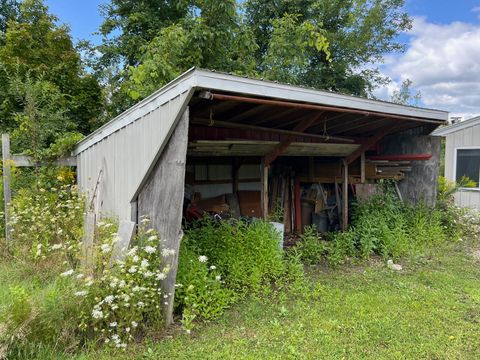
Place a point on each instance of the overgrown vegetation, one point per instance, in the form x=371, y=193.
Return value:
x=222, y=262
x=385, y=226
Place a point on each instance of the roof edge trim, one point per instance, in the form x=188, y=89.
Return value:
x=457, y=127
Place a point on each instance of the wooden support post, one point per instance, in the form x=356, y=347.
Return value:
x=298, y=207
x=345, y=198
x=264, y=189
x=7, y=194
x=362, y=168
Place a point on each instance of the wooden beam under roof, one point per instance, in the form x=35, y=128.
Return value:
x=218, y=123
x=301, y=127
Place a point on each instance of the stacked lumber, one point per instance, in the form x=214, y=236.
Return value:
x=282, y=196
x=387, y=169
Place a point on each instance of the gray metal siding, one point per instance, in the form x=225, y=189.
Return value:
x=468, y=137
x=126, y=156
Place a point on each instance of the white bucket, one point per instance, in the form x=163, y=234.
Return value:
x=280, y=228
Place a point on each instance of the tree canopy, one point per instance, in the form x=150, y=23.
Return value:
x=327, y=44
x=45, y=86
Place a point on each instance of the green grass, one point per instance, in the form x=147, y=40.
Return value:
x=430, y=310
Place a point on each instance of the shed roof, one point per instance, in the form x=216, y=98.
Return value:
x=457, y=127
x=198, y=79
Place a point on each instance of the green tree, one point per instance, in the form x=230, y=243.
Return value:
x=129, y=25
x=359, y=33
x=8, y=11
x=37, y=48
x=405, y=96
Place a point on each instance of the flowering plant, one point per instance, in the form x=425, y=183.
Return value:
x=122, y=297
x=48, y=221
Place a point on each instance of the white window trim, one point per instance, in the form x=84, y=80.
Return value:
x=477, y=189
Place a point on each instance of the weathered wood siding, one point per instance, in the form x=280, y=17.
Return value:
x=161, y=200
x=469, y=137
x=126, y=156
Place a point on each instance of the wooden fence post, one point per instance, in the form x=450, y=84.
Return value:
x=7, y=194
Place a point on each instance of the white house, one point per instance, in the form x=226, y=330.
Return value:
x=462, y=158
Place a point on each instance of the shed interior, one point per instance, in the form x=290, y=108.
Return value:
x=303, y=163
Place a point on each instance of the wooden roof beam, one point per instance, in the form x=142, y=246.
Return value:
x=280, y=148
x=226, y=124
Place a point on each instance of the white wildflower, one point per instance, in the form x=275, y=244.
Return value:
x=161, y=276
x=218, y=277
x=79, y=276
x=213, y=267
x=56, y=246
x=127, y=329
x=81, y=293
x=202, y=258
x=152, y=238
x=97, y=314
x=109, y=299
x=132, y=270
x=105, y=248
x=134, y=324
x=67, y=273
x=113, y=324
x=140, y=304
x=150, y=249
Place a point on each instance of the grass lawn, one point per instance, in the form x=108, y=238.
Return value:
x=430, y=310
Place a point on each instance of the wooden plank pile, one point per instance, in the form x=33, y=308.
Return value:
x=387, y=169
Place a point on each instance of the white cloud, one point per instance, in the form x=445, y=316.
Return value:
x=443, y=61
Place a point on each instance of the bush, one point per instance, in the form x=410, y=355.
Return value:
x=310, y=248
x=385, y=226
x=120, y=299
x=47, y=221
x=221, y=262
x=201, y=293
x=247, y=255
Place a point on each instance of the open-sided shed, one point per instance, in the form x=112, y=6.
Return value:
x=229, y=131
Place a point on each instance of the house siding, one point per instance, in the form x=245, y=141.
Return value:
x=468, y=137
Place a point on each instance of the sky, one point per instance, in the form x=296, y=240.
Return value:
x=442, y=55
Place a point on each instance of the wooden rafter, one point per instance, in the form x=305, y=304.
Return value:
x=226, y=124
x=280, y=148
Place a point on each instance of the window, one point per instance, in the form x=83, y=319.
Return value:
x=468, y=165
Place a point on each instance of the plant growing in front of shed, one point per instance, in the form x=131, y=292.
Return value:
x=200, y=291
x=122, y=298
x=311, y=249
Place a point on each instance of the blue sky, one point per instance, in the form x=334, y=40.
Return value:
x=442, y=57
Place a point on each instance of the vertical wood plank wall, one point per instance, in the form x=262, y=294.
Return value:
x=469, y=137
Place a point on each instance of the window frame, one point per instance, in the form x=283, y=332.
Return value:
x=455, y=167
